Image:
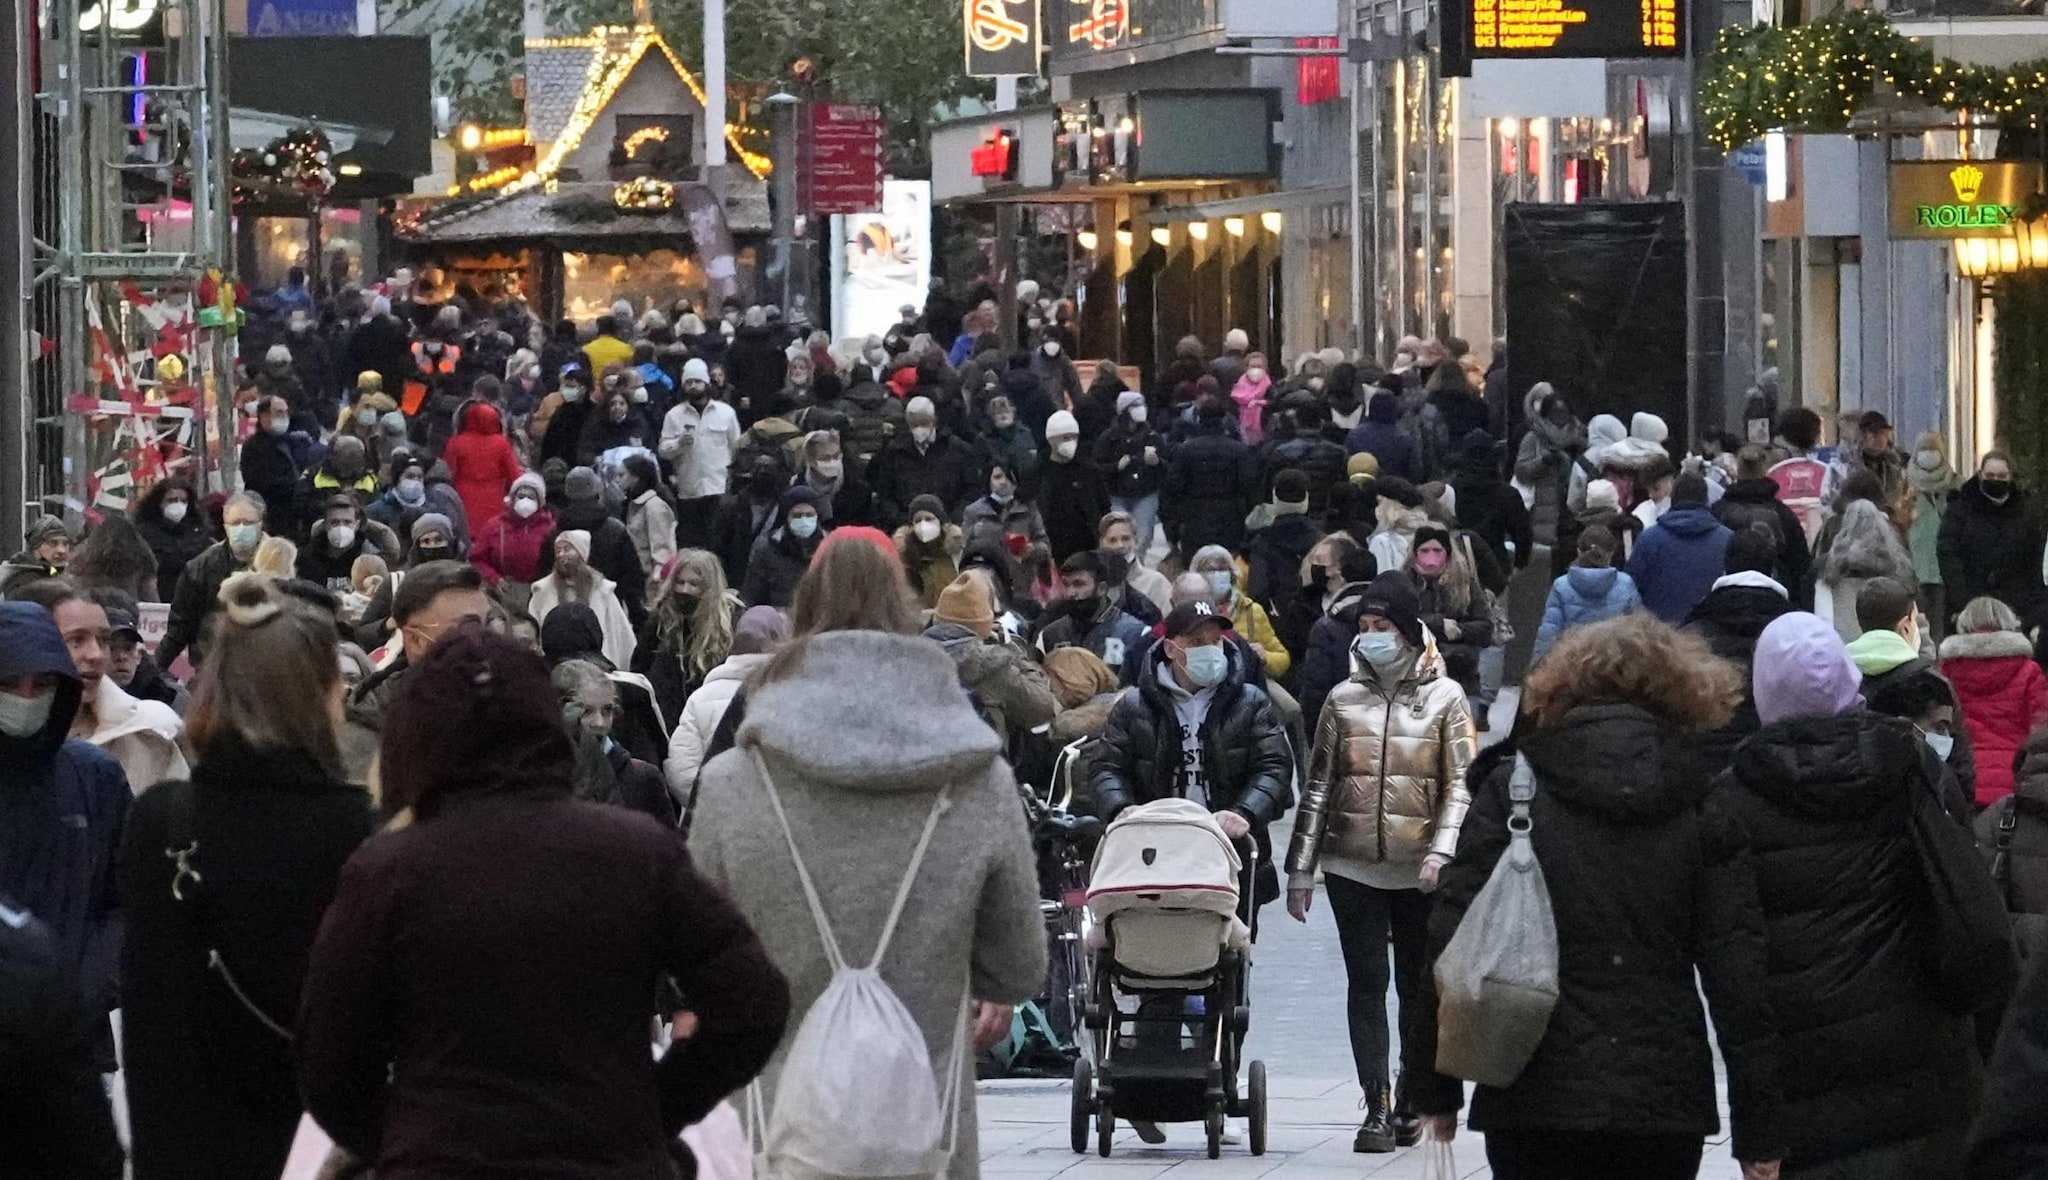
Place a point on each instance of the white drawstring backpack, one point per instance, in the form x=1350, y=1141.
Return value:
x=858, y=1098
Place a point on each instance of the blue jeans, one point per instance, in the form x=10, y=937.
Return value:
x=1144, y=512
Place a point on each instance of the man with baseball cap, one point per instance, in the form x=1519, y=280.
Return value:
x=1197, y=729
x=1194, y=728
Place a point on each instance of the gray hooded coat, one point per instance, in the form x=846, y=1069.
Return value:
x=859, y=740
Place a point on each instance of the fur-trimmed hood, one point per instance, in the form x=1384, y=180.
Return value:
x=1634, y=454
x=1867, y=552
x=1986, y=645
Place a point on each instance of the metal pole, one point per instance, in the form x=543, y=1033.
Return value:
x=714, y=83
x=73, y=337
x=783, y=191
x=1005, y=246
x=17, y=45
x=217, y=155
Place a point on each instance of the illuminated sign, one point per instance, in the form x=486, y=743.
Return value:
x=125, y=16
x=996, y=158
x=1942, y=199
x=1080, y=28
x=1002, y=37
x=1576, y=28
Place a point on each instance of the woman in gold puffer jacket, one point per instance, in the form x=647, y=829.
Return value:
x=1380, y=814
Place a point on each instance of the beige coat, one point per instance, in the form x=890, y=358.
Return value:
x=1386, y=781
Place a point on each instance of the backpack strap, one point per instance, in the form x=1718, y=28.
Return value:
x=2001, y=859
x=833, y=955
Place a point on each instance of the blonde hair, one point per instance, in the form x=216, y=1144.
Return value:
x=1634, y=660
x=276, y=558
x=853, y=585
x=705, y=632
x=1986, y=614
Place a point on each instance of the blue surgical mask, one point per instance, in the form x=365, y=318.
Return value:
x=1207, y=666
x=1380, y=649
x=1942, y=744
x=22, y=717
x=803, y=526
x=1219, y=584
x=243, y=538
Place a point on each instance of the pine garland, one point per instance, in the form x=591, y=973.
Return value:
x=1814, y=77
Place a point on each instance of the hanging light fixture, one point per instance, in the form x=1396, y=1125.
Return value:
x=1162, y=236
x=1972, y=257
x=1087, y=240
x=1234, y=226
x=1198, y=230
x=1272, y=220
x=1123, y=234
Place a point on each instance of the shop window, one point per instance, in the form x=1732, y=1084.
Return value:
x=591, y=282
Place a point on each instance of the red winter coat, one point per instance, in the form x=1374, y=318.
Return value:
x=2004, y=696
x=480, y=461
x=509, y=547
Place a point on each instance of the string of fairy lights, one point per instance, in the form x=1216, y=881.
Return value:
x=1815, y=77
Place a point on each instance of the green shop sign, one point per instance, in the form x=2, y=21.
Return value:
x=1945, y=199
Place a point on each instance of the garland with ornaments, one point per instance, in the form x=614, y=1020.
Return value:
x=298, y=163
x=1814, y=77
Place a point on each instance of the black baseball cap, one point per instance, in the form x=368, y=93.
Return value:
x=1190, y=615
x=123, y=623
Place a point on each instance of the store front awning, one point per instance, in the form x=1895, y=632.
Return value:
x=1252, y=206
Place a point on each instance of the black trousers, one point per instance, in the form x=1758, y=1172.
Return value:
x=1592, y=1155
x=1368, y=920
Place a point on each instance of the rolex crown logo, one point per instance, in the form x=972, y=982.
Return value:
x=1967, y=179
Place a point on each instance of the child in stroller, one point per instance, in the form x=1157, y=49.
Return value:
x=1170, y=896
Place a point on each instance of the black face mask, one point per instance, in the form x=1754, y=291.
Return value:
x=1995, y=489
x=764, y=483
x=1318, y=577
x=426, y=553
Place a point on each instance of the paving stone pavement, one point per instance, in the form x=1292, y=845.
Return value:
x=1298, y=1029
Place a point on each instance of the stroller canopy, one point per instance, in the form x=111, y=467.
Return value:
x=1168, y=854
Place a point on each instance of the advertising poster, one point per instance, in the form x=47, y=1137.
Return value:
x=882, y=260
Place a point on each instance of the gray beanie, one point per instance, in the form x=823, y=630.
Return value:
x=583, y=484
x=433, y=522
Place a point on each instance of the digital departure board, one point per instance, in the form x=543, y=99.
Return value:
x=1576, y=28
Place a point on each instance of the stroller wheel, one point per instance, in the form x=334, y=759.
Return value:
x=1255, y=1099
x=1084, y=1103
x=1213, y=1126
x=1105, y=1128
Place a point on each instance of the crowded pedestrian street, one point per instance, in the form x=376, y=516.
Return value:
x=1028, y=589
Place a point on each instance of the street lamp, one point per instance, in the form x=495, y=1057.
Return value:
x=782, y=120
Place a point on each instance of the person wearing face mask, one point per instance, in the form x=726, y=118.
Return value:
x=1071, y=494
x=1247, y=617
x=1004, y=510
x=574, y=580
x=1249, y=394
x=649, y=519
x=336, y=543
x=1095, y=409
x=1344, y=394
x=1088, y=616
x=1196, y=729
x=843, y=497
x=617, y=420
x=1117, y=533
x=172, y=528
x=1058, y=382
x=432, y=538
x=557, y=426
x=1455, y=606
x=924, y=460
x=366, y=409
x=405, y=497
x=749, y=513
x=1006, y=442
x=513, y=546
x=1383, y=799
x=1991, y=543
x=930, y=548
x=1893, y=654
x=346, y=472
x=199, y=586
x=780, y=558
x=1132, y=455
x=67, y=802
x=698, y=437
x=273, y=463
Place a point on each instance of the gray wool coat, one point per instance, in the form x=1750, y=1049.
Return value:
x=859, y=740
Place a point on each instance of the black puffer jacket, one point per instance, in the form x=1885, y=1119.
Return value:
x=1993, y=549
x=54, y=1122
x=1730, y=619
x=2026, y=874
x=1644, y=890
x=1246, y=760
x=1211, y=482
x=1867, y=1053
x=1493, y=512
x=1314, y=456
x=1128, y=440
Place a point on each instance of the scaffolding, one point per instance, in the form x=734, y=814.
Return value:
x=130, y=374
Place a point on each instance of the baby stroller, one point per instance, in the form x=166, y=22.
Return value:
x=1170, y=896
